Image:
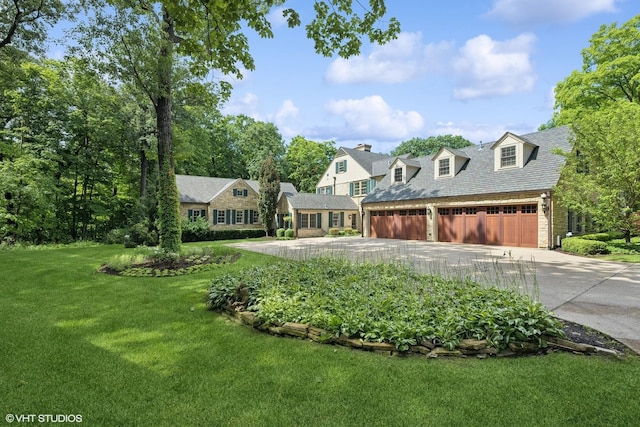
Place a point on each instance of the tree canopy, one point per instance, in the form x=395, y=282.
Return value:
x=306, y=161
x=600, y=102
x=425, y=146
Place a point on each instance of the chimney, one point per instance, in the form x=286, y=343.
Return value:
x=363, y=147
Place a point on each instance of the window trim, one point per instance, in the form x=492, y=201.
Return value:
x=397, y=175
x=441, y=167
x=508, y=160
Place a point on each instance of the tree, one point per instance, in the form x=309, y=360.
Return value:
x=600, y=102
x=269, y=182
x=306, y=160
x=256, y=143
x=207, y=35
x=23, y=22
x=601, y=177
x=610, y=73
x=423, y=147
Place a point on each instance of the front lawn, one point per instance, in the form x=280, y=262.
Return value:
x=146, y=351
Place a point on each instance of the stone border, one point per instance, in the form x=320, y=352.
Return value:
x=466, y=347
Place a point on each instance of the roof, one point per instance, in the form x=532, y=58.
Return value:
x=202, y=189
x=320, y=201
x=541, y=172
x=366, y=159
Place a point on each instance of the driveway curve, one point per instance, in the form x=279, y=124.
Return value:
x=603, y=295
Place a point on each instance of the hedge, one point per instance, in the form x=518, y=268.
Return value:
x=228, y=234
x=582, y=246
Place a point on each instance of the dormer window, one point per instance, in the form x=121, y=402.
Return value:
x=397, y=175
x=444, y=167
x=508, y=156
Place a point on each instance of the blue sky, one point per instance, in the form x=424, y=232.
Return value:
x=475, y=68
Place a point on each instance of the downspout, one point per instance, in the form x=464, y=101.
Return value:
x=550, y=223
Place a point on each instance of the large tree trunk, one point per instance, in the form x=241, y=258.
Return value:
x=168, y=200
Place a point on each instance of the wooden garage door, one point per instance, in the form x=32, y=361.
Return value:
x=407, y=224
x=510, y=225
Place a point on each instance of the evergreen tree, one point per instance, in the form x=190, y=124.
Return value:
x=269, y=181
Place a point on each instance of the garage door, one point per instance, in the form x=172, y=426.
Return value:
x=511, y=225
x=407, y=224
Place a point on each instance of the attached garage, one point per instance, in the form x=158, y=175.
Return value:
x=509, y=225
x=406, y=224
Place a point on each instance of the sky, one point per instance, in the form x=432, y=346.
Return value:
x=475, y=68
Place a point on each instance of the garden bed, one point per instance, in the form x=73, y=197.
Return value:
x=385, y=306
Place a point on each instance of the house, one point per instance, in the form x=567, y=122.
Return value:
x=312, y=215
x=497, y=194
x=224, y=202
x=354, y=172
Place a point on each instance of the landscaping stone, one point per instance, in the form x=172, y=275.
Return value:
x=295, y=329
x=471, y=344
x=249, y=318
x=378, y=346
x=350, y=342
x=441, y=351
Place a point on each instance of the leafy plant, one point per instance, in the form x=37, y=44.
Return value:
x=383, y=303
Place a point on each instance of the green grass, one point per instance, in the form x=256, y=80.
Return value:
x=622, y=251
x=124, y=351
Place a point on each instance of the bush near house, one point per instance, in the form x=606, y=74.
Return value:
x=582, y=246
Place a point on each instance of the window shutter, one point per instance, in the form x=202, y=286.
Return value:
x=245, y=192
x=190, y=214
x=372, y=184
x=317, y=191
x=345, y=165
x=250, y=216
x=235, y=192
x=215, y=216
x=351, y=189
x=330, y=224
x=227, y=217
x=233, y=216
x=319, y=220
x=330, y=190
x=246, y=216
x=299, y=220
x=203, y=213
x=341, y=219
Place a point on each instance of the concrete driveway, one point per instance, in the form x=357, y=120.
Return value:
x=600, y=294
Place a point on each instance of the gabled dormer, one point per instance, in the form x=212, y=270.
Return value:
x=511, y=152
x=402, y=170
x=447, y=162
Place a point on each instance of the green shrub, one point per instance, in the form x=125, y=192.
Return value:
x=140, y=234
x=581, y=246
x=195, y=231
x=334, y=231
x=384, y=303
x=280, y=233
x=115, y=236
x=601, y=237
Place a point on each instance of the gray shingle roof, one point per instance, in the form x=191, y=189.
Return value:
x=320, y=201
x=541, y=172
x=366, y=159
x=201, y=189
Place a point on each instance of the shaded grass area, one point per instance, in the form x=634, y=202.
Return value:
x=145, y=351
x=623, y=251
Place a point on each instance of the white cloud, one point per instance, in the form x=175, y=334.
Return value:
x=480, y=132
x=371, y=118
x=275, y=17
x=247, y=105
x=401, y=60
x=281, y=118
x=548, y=11
x=486, y=68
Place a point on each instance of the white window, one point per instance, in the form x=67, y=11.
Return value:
x=360, y=188
x=335, y=219
x=508, y=156
x=256, y=217
x=341, y=167
x=239, y=217
x=397, y=175
x=221, y=216
x=325, y=190
x=444, y=168
x=308, y=220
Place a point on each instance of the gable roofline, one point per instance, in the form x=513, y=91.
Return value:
x=453, y=151
x=506, y=135
x=204, y=189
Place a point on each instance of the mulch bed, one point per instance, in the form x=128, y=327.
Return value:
x=584, y=335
